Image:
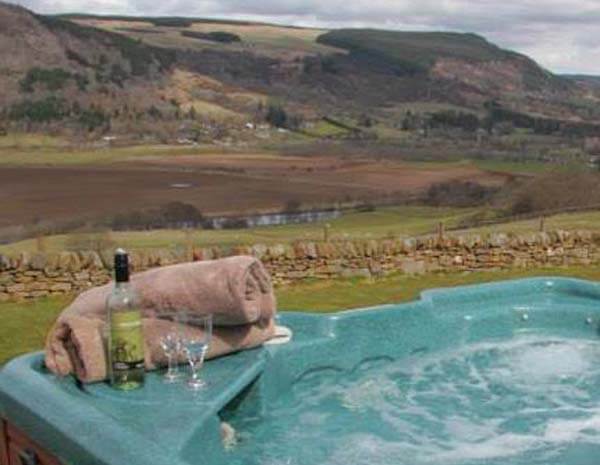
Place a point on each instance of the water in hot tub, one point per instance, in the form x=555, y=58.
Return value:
x=528, y=400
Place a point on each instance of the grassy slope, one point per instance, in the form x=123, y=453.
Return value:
x=419, y=50
x=264, y=39
x=566, y=221
x=384, y=222
x=406, y=52
x=24, y=325
x=396, y=221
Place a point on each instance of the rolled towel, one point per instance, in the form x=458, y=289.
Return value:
x=236, y=290
x=77, y=346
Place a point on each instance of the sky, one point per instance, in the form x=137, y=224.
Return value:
x=560, y=35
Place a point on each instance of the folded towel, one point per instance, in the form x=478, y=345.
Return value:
x=236, y=290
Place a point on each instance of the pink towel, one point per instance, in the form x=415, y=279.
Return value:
x=236, y=290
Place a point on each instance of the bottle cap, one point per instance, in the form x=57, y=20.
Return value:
x=121, y=266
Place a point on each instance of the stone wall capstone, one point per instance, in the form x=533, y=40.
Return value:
x=33, y=275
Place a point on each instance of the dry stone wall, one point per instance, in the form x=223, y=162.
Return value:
x=33, y=275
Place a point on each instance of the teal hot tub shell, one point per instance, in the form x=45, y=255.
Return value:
x=166, y=424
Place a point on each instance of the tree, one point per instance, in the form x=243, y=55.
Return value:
x=39, y=111
x=365, y=121
x=409, y=122
x=179, y=212
x=276, y=115
x=292, y=206
x=93, y=118
x=154, y=112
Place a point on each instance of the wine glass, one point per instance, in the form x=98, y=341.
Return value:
x=171, y=344
x=197, y=332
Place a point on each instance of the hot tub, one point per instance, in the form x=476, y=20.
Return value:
x=505, y=373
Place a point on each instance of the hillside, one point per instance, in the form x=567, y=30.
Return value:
x=447, y=55
x=57, y=71
x=590, y=82
x=205, y=79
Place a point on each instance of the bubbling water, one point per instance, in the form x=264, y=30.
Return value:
x=529, y=400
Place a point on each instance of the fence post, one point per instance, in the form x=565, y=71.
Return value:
x=440, y=231
x=189, y=244
x=326, y=232
x=40, y=243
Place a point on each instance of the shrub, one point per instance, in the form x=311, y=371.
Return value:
x=172, y=214
x=276, y=115
x=117, y=74
x=81, y=81
x=459, y=194
x=292, y=206
x=235, y=223
x=216, y=36
x=54, y=79
x=171, y=22
x=39, y=111
x=365, y=120
x=454, y=119
x=154, y=112
x=179, y=212
x=93, y=118
x=77, y=58
x=366, y=208
x=523, y=205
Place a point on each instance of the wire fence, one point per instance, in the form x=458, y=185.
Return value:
x=539, y=215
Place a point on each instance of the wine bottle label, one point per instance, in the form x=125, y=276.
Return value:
x=127, y=340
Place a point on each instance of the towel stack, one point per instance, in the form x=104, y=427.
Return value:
x=236, y=290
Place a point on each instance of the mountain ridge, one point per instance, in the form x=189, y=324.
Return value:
x=162, y=68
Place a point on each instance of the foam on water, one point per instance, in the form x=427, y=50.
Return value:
x=529, y=400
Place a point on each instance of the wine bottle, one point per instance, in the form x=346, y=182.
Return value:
x=125, y=337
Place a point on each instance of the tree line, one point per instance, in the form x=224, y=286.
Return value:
x=499, y=118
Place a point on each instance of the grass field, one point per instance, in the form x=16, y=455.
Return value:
x=566, y=221
x=384, y=222
x=389, y=221
x=23, y=150
x=32, y=141
x=25, y=325
x=264, y=39
x=527, y=167
x=326, y=129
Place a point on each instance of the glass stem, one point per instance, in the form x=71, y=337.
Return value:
x=171, y=369
x=194, y=370
x=195, y=366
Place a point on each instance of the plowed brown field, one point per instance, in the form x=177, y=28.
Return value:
x=212, y=183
